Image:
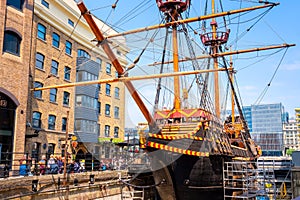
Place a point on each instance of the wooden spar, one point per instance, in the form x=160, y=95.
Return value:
x=232, y=93
x=176, y=65
x=126, y=79
x=216, y=64
x=194, y=19
x=228, y=53
x=101, y=40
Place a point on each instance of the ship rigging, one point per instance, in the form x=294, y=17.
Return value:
x=187, y=140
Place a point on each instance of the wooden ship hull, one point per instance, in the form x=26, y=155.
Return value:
x=190, y=150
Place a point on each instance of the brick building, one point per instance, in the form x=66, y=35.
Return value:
x=16, y=42
x=52, y=45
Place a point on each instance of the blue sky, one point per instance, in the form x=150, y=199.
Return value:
x=278, y=26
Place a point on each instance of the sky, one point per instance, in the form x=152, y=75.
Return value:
x=281, y=70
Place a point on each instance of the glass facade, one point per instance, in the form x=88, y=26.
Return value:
x=265, y=123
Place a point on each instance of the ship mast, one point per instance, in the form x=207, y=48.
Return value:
x=172, y=9
x=216, y=66
x=175, y=65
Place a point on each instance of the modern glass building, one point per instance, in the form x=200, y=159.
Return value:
x=265, y=123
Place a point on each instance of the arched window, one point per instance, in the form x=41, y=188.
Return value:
x=38, y=94
x=15, y=3
x=39, y=60
x=36, y=119
x=41, y=32
x=51, y=122
x=55, y=40
x=12, y=42
x=83, y=53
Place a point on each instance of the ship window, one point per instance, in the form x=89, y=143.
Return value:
x=55, y=40
x=68, y=47
x=51, y=122
x=38, y=94
x=12, y=42
x=39, y=61
x=41, y=32
x=36, y=120
x=18, y=4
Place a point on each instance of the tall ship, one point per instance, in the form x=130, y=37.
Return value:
x=185, y=60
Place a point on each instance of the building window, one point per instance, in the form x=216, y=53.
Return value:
x=106, y=131
x=36, y=120
x=117, y=74
x=38, y=94
x=70, y=22
x=67, y=75
x=99, y=107
x=64, y=124
x=41, y=32
x=54, y=67
x=68, y=48
x=12, y=42
x=51, y=122
x=107, y=109
x=66, y=98
x=117, y=110
x=108, y=68
x=53, y=93
x=86, y=101
x=55, y=40
x=117, y=93
x=99, y=61
x=45, y=3
x=107, y=89
x=86, y=126
x=83, y=53
x=86, y=76
x=39, y=60
x=15, y=3
x=116, y=132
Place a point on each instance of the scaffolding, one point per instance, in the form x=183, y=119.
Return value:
x=240, y=181
x=268, y=178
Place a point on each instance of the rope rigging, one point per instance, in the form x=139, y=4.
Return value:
x=260, y=98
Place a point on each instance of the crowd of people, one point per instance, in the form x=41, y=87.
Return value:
x=53, y=165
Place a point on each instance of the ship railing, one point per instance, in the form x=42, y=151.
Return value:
x=179, y=128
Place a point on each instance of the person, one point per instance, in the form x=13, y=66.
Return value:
x=76, y=167
x=33, y=168
x=23, y=166
x=60, y=164
x=52, y=165
x=42, y=165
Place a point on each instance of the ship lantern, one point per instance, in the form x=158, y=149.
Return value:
x=165, y=5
